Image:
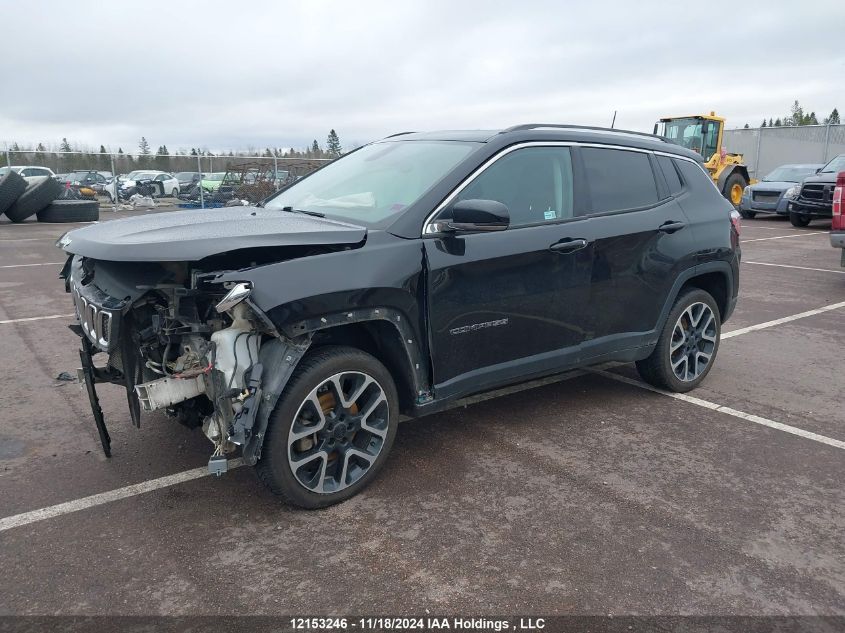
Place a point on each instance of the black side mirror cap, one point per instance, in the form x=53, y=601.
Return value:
x=479, y=215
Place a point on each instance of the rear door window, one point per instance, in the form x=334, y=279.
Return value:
x=618, y=179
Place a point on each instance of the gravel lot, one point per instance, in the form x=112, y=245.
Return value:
x=589, y=494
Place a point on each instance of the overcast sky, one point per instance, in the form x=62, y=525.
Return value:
x=261, y=73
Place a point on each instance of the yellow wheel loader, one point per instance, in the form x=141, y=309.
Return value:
x=703, y=133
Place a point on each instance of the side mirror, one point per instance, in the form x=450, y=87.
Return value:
x=479, y=215
x=818, y=169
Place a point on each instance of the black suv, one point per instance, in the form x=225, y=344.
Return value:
x=407, y=274
x=815, y=199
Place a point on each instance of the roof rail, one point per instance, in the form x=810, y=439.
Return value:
x=399, y=134
x=561, y=126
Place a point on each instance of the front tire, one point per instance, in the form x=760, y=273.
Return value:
x=332, y=428
x=748, y=215
x=687, y=347
x=799, y=219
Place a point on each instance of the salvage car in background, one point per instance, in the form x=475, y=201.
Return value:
x=187, y=180
x=28, y=171
x=154, y=183
x=773, y=193
x=815, y=198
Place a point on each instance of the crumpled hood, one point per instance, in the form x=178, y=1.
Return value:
x=192, y=235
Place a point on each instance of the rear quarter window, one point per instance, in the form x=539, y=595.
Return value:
x=618, y=179
x=670, y=172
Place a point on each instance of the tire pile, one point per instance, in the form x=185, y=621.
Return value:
x=20, y=199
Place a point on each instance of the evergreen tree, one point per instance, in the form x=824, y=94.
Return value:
x=770, y=122
x=193, y=152
x=746, y=126
x=796, y=115
x=315, y=149
x=764, y=123
x=833, y=119
x=143, y=147
x=778, y=122
x=64, y=146
x=333, y=147
x=811, y=119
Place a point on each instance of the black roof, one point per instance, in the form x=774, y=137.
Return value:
x=554, y=132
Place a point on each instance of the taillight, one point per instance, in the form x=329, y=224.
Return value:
x=838, y=219
x=735, y=217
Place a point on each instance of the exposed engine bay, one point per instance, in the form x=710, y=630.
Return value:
x=180, y=340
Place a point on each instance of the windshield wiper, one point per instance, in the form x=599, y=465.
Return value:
x=316, y=214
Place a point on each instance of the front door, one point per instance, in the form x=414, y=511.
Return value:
x=503, y=305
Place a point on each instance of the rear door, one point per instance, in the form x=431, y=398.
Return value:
x=503, y=305
x=640, y=240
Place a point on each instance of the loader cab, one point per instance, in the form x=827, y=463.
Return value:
x=702, y=134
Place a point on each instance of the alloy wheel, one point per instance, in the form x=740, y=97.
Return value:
x=694, y=339
x=338, y=432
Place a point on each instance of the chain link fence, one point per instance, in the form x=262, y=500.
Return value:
x=204, y=180
x=766, y=148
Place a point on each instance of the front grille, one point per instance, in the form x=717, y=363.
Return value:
x=95, y=321
x=765, y=196
x=816, y=192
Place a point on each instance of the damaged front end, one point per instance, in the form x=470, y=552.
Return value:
x=180, y=340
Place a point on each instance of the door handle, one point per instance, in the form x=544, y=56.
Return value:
x=568, y=246
x=671, y=226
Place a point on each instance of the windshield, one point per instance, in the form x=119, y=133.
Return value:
x=216, y=176
x=790, y=173
x=689, y=132
x=837, y=164
x=375, y=182
x=77, y=175
x=5, y=170
x=133, y=174
x=185, y=175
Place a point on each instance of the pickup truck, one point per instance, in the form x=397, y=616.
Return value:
x=837, y=227
x=816, y=194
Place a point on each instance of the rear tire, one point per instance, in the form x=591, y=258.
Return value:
x=70, y=211
x=352, y=433
x=39, y=193
x=734, y=187
x=748, y=215
x=799, y=219
x=12, y=185
x=688, y=344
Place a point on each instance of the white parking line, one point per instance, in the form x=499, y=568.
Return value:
x=787, y=319
x=783, y=237
x=76, y=505
x=750, y=417
x=26, y=265
x=821, y=270
x=196, y=473
x=49, y=512
x=41, y=318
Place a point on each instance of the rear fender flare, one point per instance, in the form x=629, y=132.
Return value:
x=709, y=267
